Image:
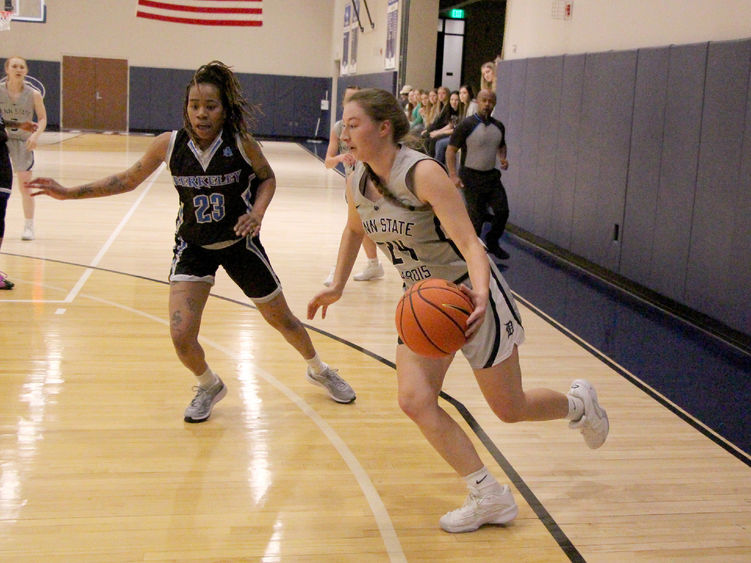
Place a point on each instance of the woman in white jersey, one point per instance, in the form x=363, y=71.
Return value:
x=405, y=201
x=18, y=104
x=225, y=185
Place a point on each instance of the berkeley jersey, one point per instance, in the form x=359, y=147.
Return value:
x=21, y=109
x=411, y=237
x=216, y=187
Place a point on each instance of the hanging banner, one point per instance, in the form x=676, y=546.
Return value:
x=344, y=63
x=392, y=25
x=354, y=34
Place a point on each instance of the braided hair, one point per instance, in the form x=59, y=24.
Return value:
x=240, y=114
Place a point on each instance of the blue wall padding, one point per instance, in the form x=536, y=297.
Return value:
x=638, y=248
x=381, y=80
x=656, y=141
x=602, y=163
x=718, y=276
x=561, y=221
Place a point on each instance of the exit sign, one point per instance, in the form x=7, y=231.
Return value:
x=456, y=14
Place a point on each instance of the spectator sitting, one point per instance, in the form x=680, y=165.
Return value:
x=443, y=98
x=467, y=98
x=404, y=95
x=443, y=126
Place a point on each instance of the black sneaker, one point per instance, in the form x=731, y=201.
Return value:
x=498, y=252
x=5, y=283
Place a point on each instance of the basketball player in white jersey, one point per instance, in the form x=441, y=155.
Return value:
x=407, y=204
x=18, y=104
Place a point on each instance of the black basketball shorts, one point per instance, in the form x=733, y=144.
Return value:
x=245, y=262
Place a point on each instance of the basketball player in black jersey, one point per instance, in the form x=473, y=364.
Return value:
x=225, y=185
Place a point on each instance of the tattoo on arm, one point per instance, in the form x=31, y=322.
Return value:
x=85, y=191
x=265, y=172
x=108, y=186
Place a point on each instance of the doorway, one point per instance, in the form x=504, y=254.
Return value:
x=95, y=94
x=450, y=53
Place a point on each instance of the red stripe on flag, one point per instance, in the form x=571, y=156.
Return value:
x=183, y=8
x=195, y=21
x=203, y=12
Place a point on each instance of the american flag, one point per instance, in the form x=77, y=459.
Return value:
x=204, y=12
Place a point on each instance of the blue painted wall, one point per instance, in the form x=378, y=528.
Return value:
x=290, y=106
x=640, y=162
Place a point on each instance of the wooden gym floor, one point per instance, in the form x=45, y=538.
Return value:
x=98, y=465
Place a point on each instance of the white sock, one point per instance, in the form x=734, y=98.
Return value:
x=481, y=480
x=207, y=379
x=28, y=223
x=316, y=365
x=575, y=408
x=373, y=261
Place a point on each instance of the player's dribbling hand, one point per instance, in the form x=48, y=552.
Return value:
x=480, y=301
x=47, y=186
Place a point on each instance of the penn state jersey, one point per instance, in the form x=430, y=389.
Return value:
x=411, y=237
x=216, y=187
x=17, y=109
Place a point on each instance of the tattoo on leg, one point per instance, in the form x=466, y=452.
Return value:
x=176, y=320
x=193, y=305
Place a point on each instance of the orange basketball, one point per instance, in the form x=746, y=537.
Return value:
x=431, y=317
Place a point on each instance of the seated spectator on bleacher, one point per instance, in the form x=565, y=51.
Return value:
x=467, y=98
x=443, y=126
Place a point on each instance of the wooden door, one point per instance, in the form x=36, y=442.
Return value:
x=95, y=94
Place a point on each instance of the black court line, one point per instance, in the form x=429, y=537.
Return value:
x=638, y=383
x=547, y=520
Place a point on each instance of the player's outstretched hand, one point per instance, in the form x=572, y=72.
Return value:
x=323, y=299
x=47, y=186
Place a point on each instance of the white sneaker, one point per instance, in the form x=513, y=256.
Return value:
x=329, y=280
x=496, y=508
x=28, y=233
x=371, y=272
x=594, y=423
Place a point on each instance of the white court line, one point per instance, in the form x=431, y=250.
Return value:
x=380, y=513
x=102, y=251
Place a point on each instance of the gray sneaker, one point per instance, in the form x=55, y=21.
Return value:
x=338, y=389
x=200, y=407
